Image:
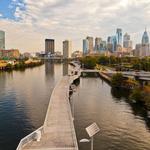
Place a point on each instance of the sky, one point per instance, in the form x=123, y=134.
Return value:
x=28, y=22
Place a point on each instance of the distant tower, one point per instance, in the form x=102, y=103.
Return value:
x=90, y=41
x=2, y=40
x=119, y=36
x=112, y=43
x=145, y=50
x=145, y=38
x=97, y=43
x=127, y=43
x=85, y=46
x=49, y=46
x=67, y=49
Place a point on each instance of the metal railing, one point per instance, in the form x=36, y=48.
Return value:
x=32, y=136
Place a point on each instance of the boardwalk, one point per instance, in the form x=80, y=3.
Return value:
x=58, y=132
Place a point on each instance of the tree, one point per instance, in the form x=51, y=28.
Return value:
x=117, y=80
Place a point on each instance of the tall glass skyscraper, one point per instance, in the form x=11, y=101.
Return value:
x=119, y=36
x=85, y=46
x=2, y=40
x=114, y=43
x=145, y=38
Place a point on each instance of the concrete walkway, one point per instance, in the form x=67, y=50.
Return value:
x=58, y=130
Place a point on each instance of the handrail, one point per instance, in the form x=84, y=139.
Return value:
x=28, y=138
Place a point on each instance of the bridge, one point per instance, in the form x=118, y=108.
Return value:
x=57, y=132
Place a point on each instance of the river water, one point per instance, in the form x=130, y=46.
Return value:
x=24, y=97
x=123, y=126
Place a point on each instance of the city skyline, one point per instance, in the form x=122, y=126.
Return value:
x=26, y=21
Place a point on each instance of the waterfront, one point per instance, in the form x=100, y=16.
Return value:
x=24, y=97
x=124, y=126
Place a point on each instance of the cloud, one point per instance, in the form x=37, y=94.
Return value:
x=1, y=15
x=73, y=19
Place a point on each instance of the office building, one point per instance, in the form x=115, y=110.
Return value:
x=67, y=49
x=112, y=43
x=127, y=43
x=85, y=46
x=97, y=43
x=49, y=46
x=90, y=42
x=119, y=36
x=145, y=38
x=103, y=45
x=2, y=40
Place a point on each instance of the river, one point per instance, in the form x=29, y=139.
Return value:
x=24, y=97
x=123, y=126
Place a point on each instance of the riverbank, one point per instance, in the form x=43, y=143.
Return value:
x=19, y=65
x=138, y=94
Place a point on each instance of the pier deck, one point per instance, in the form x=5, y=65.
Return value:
x=58, y=130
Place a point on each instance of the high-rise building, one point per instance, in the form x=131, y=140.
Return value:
x=145, y=51
x=119, y=36
x=85, y=46
x=145, y=38
x=49, y=46
x=112, y=43
x=97, y=43
x=2, y=40
x=127, y=43
x=103, y=46
x=67, y=49
x=90, y=41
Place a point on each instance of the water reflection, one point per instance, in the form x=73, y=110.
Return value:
x=137, y=108
x=65, y=69
x=121, y=129
x=24, y=97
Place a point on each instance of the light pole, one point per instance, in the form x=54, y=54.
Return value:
x=92, y=130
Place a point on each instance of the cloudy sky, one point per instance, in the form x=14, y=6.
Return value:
x=28, y=22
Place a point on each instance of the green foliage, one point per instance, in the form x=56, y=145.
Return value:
x=9, y=66
x=141, y=95
x=136, y=94
x=117, y=80
x=103, y=60
x=89, y=62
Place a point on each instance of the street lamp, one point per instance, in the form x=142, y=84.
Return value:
x=92, y=130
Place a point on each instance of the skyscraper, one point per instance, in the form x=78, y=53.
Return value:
x=145, y=38
x=67, y=49
x=85, y=46
x=127, y=43
x=145, y=51
x=90, y=41
x=103, y=46
x=49, y=46
x=112, y=43
x=2, y=40
x=119, y=36
x=97, y=43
